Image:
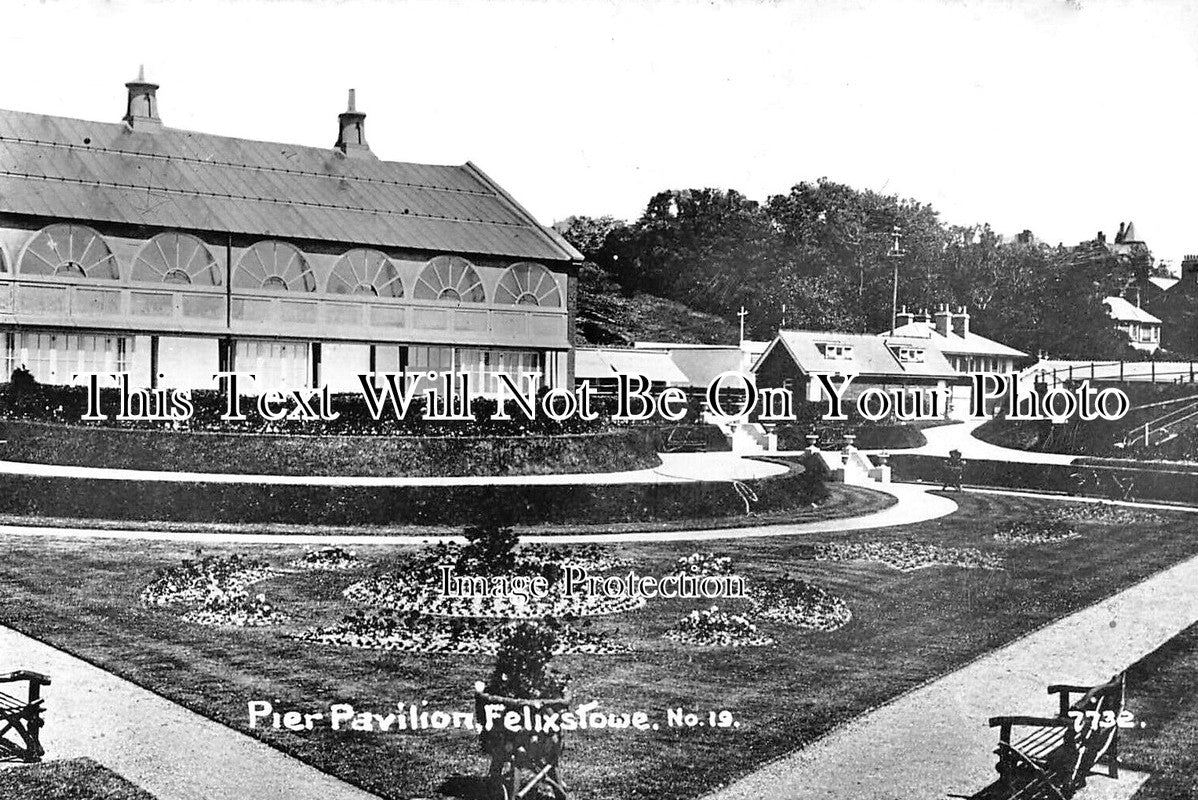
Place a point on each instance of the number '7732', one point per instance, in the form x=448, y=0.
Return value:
x=1102, y=719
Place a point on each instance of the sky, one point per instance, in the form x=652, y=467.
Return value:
x=1064, y=118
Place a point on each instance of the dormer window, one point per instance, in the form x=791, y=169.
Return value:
x=836, y=352
x=910, y=355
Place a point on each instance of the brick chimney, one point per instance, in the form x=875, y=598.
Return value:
x=904, y=317
x=944, y=320
x=352, y=137
x=1189, y=266
x=141, y=112
x=961, y=322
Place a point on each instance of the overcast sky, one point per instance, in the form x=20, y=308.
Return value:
x=1064, y=118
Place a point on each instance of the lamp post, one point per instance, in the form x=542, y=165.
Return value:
x=896, y=252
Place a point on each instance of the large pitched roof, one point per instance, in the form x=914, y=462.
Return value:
x=598, y=363
x=1123, y=311
x=971, y=344
x=96, y=171
x=871, y=355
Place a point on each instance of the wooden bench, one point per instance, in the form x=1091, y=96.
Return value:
x=1053, y=755
x=21, y=718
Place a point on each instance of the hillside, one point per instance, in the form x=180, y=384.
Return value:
x=609, y=315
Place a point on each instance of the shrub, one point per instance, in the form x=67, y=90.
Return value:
x=522, y=666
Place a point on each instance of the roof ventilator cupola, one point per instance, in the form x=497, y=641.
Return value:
x=351, y=140
x=141, y=114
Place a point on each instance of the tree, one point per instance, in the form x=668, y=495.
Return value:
x=588, y=234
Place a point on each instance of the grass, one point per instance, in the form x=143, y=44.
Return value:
x=1163, y=693
x=907, y=629
x=70, y=779
x=843, y=501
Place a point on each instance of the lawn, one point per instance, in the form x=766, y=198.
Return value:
x=1162, y=691
x=907, y=628
x=71, y=779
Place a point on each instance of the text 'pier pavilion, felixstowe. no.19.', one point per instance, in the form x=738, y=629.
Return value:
x=172, y=255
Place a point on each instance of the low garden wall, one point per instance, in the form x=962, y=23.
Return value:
x=1118, y=482
x=288, y=454
x=870, y=436
x=172, y=501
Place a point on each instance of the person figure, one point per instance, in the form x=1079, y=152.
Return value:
x=954, y=470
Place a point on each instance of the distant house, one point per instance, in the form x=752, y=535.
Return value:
x=964, y=349
x=1176, y=305
x=1143, y=330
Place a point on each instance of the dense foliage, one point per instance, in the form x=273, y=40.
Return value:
x=822, y=257
x=522, y=666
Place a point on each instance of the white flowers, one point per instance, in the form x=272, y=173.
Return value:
x=712, y=627
x=704, y=564
x=906, y=555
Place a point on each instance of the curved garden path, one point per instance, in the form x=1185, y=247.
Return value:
x=960, y=436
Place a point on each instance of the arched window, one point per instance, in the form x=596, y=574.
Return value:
x=365, y=272
x=274, y=267
x=449, y=278
x=176, y=258
x=69, y=251
x=528, y=284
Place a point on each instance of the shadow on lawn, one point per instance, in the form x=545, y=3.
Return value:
x=466, y=787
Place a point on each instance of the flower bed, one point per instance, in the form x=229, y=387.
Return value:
x=401, y=593
x=714, y=628
x=799, y=603
x=236, y=609
x=328, y=558
x=193, y=580
x=1035, y=531
x=908, y=556
x=1105, y=513
x=416, y=633
x=590, y=557
x=703, y=565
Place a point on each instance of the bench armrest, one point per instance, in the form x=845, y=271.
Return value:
x=1102, y=687
x=24, y=675
x=1046, y=722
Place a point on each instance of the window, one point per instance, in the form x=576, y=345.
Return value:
x=176, y=258
x=910, y=354
x=69, y=251
x=528, y=284
x=366, y=272
x=837, y=352
x=55, y=357
x=276, y=364
x=449, y=278
x=274, y=267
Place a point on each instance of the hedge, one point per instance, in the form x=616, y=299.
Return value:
x=454, y=505
x=281, y=454
x=1115, y=482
